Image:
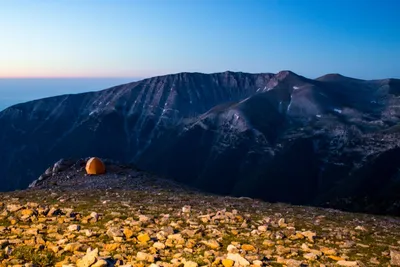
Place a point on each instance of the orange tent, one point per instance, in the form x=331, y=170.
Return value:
x=95, y=166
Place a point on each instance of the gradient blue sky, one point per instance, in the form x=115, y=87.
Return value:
x=142, y=38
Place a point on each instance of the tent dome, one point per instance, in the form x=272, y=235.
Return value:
x=95, y=166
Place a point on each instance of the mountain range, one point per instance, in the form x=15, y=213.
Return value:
x=330, y=141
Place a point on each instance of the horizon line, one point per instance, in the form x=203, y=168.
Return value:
x=70, y=77
x=137, y=78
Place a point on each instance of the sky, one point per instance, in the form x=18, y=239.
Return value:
x=144, y=38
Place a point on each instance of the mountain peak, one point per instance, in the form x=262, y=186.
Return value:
x=335, y=77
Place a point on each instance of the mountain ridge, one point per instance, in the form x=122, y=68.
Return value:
x=228, y=132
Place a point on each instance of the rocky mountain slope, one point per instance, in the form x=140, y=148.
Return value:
x=70, y=219
x=329, y=141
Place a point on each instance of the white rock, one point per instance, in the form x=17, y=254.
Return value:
x=159, y=245
x=347, y=263
x=232, y=249
x=282, y=223
x=310, y=235
x=262, y=228
x=14, y=207
x=190, y=264
x=94, y=215
x=74, y=227
x=361, y=228
x=143, y=218
x=394, y=257
x=88, y=259
x=310, y=256
x=141, y=256
x=257, y=263
x=238, y=259
x=89, y=233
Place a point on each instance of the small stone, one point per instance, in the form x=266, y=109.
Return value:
x=395, y=257
x=74, y=227
x=143, y=218
x=186, y=209
x=89, y=233
x=328, y=251
x=53, y=212
x=95, y=216
x=268, y=243
x=227, y=262
x=114, y=232
x=361, y=228
x=73, y=247
x=262, y=228
x=347, y=263
x=8, y=250
x=212, y=243
x=310, y=235
x=159, y=245
x=310, y=256
x=238, y=259
x=141, y=256
x=27, y=212
x=232, y=249
x=335, y=258
x=248, y=247
x=143, y=238
x=293, y=263
x=190, y=264
x=118, y=239
x=111, y=247
x=88, y=259
x=32, y=231
x=375, y=261
x=296, y=236
x=128, y=233
x=13, y=207
x=281, y=223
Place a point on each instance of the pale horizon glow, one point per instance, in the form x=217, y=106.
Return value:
x=145, y=38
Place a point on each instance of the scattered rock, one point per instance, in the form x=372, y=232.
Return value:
x=394, y=257
x=212, y=243
x=237, y=258
x=88, y=259
x=74, y=227
x=347, y=263
x=162, y=233
x=227, y=262
x=310, y=235
x=143, y=238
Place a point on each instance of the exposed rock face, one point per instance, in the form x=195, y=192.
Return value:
x=279, y=137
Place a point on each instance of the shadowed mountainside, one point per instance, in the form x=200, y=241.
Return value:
x=279, y=137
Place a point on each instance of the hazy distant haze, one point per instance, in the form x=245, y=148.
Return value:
x=14, y=91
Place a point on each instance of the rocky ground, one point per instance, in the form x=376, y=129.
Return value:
x=66, y=220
